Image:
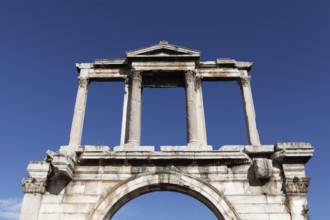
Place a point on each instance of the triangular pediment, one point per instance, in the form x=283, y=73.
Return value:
x=163, y=49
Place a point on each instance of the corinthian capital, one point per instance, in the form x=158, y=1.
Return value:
x=297, y=185
x=245, y=80
x=136, y=75
x=83, y=82
x=32, y=185
x=190, y=74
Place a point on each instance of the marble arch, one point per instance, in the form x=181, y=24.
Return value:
x=89, y=182
x=110, y=203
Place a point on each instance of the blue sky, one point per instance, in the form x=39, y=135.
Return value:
x=40, y=42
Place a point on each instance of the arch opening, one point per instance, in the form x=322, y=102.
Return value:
x=138, y=185
x=161, y=188
x=164, y=205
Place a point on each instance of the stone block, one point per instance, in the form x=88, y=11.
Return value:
x=96, y=148
x=279, y=216
x=254, y=216
x=38, y=169
x=135, y=148
x=292, y=145
x=186, y=148
x=232, y=148
x=64, y=208
x=263, y=168
x=259, y=149
x=80, y=198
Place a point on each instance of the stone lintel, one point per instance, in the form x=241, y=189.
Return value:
x=135, y=148
x=233, y=156
x=116, y=72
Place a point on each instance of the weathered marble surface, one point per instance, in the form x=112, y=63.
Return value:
x=234, y=182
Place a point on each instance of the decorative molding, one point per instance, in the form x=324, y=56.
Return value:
x=297, y=185
x=83, y=82
x=32, y=185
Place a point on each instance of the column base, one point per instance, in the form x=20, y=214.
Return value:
x=187, y=148
x=134, y=148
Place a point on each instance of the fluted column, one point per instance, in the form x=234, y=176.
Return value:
x=191, y=108
x=134, y=115
x=250, y=116
x=79, y=113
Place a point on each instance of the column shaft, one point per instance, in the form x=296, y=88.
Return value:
x=79, y=113
x=191, y=108
x=250, y=116
x=124, y=127
x=200, y=112
x=134, y=117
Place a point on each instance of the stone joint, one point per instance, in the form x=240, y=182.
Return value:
x=32, y=185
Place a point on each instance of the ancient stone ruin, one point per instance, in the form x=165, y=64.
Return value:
x=252, y=181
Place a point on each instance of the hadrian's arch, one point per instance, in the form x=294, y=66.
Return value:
x=91, y=182
x=110, y=203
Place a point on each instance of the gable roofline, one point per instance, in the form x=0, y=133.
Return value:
x=185, y=52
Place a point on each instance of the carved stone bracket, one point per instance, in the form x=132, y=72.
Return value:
x=32, y=185
x=263, y=168
x=297, y=185
x=83, y=82
x=63, y=162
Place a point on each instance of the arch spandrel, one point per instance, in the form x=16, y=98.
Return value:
x=141, y=184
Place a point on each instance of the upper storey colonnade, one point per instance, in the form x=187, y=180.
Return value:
x=163, y=66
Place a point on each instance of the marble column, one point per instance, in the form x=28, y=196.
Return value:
x=191, y=108
x=124, y=127
x=200, y=111
x=134, y=115
x=79, y=113
x=250, y=116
